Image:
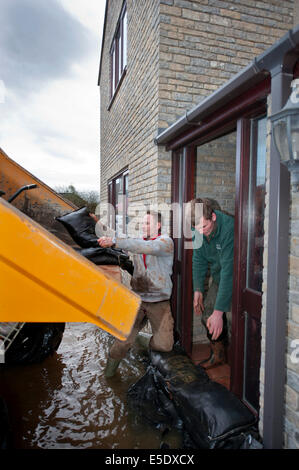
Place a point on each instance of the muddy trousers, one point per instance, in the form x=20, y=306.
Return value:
x=161, y=320
x=209, y=304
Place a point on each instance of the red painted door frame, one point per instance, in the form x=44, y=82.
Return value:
x=182, y=192
x=229, y=117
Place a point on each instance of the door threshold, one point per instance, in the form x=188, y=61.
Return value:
x=220, y=374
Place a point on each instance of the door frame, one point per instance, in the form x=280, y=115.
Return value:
x=240, y=251
x=228, y=118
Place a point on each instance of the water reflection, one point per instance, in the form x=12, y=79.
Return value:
x=66, y=402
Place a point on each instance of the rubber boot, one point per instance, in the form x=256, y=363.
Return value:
x=217, y=356
x=143, y=341
x=111, y=366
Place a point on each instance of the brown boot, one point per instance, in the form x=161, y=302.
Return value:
x=217, y=356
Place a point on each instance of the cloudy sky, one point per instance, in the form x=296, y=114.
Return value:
x=49, y=98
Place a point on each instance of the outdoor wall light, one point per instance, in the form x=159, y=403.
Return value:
x=285, y=131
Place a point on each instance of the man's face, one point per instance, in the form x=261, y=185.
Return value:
x=206, y=226
x=150, y=226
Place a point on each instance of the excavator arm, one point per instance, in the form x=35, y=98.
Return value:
x=42, y=279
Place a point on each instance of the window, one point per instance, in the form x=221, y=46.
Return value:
x=118, y=190
x=118, y=51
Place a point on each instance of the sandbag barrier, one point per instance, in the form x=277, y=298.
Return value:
x=81, y=228
x=174, y=393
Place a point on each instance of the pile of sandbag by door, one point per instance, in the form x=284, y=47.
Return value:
x=81, y=226
x=181, y=393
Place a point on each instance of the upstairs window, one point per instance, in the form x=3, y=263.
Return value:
x=118, y=51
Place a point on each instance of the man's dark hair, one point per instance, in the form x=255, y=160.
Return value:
x=207, y=209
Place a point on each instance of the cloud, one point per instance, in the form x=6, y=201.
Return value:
x=49, y=97
x=39, y=41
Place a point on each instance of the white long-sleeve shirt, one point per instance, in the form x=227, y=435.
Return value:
x=152, y=260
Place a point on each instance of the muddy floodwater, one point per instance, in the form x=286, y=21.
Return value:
x=67, y=403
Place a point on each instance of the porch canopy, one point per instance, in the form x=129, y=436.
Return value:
x=283, y=53
x=270, y=73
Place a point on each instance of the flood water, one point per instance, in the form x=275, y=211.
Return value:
x=67, y=403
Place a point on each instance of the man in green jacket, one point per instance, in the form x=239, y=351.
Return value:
x=217, y=254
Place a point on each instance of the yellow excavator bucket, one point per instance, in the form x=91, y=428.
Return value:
x=44, y=280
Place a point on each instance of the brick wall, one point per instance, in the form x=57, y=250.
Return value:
x=292, y=328
x=128, y=127
x=265, y=263
x=205, y=42
x=179, y=51
x=215, y=171
x=291, y=421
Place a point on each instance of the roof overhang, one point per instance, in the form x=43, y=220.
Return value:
x=255, y=72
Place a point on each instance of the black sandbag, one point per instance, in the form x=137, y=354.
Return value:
x=176, y=367
x=108, y=256
x=212, y=415
x=146, y=398
x=81, y=227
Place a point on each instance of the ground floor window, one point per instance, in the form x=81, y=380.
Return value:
x=118, y=190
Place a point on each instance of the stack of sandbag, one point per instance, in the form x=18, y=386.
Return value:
x=150, y=402
x=212, y=416
x=81, y=226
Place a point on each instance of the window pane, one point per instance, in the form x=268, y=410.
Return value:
x=256, y=207
x=110, y=201
x=215, y=169
x=120, y=68
x=119, y=52
x=126, y=183
x=118, y=203
x=252, y=347
x=121, y=185
x=113, y=70
x=126, y=202
x=124, y=39
x=215, y=172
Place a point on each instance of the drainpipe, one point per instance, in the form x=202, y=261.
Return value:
x=277, y=274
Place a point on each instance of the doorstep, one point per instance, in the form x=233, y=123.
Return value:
x=220, y=374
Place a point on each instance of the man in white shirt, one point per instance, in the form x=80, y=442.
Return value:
x=151, y=280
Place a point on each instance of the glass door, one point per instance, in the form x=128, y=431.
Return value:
x=249, y=242
x=182, y=191
x=252, y=295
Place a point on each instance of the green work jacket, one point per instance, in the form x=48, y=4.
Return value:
x=216, y=252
